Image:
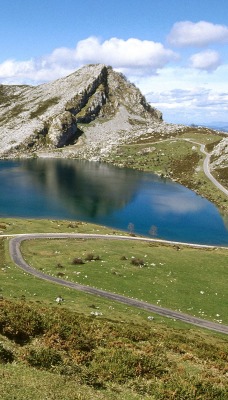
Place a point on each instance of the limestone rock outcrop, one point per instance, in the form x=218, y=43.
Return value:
x=62, y=129
x=45, y=117
x=220, y=154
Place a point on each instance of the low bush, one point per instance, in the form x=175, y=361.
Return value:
x=77, y=261
x=20, y=321
x=121, y=364
x=44, y=358
x=151, y=360
x=6, y=355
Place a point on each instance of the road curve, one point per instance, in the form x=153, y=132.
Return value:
x=15, y=253
x=206, y=168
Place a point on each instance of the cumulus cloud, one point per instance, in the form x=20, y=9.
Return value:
x=199, y=34
x=30, y=72
x=207, y=60
x=132, y=56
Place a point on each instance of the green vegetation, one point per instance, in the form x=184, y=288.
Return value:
x=93, y=348
x=221, y=174
x=43, y=107
x=11, y=226
x=89, y=358
x=148, y=271
x=176, y=158
x=85, y=114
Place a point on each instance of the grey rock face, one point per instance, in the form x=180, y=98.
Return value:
x=220, y=154
x=62, y=129
x=107, y=107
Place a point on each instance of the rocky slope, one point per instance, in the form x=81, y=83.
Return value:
x=85, y=115
x=220, y=154
x=82, y=115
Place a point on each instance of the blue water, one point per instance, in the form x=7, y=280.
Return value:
x=119, y=198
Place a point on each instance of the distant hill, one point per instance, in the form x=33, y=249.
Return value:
x=218, y=126
x=223, y=128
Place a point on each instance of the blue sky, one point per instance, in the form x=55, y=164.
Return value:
x=175, y=51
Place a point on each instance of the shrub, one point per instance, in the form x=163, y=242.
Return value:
x=19, y=321
x=44, y=358
x=6, y=355
x=119, y=365
x=77, y=261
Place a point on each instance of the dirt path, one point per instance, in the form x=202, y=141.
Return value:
x=15, y=253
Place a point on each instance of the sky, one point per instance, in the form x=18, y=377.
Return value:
x=175, y=51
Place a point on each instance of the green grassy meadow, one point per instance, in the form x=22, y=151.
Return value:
x=48, y=351
x=185, y=279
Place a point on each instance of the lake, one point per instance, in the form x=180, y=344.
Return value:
x=125, y=199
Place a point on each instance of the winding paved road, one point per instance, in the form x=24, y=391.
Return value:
x=206, y=167
x=15, y=253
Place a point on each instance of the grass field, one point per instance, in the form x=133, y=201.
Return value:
x=185, y=279
x=66, y=352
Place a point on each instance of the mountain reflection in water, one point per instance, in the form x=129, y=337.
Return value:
x=111, y=196
x=87, y=188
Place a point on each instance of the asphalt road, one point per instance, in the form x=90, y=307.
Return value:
x=206, y=167
x=15, y=253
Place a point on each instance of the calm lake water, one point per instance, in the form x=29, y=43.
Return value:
x=99, y=193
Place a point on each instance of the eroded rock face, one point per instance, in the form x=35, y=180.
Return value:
x=62, y=129
x=220, y=154
x=46, y=117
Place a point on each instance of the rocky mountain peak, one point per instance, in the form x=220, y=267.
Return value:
x=92, y=105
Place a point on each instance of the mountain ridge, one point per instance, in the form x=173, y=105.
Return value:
x=34, y=119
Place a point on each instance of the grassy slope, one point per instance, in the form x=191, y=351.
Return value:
x=55, y=353
x=164, y=278
x=187, y=362
x=177, y=159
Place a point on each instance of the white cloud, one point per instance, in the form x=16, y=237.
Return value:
x=30, y=72
x=10, y=68
x=182, y=93
x=143, y=56
x=197, y=97
x=207, y=60
x=139, y=57
x=199, y=34
x=196, y=105
x=187, y=95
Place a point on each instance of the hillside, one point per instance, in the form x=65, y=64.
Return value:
x=92, y=114
x=48, y=116
x=51, y=352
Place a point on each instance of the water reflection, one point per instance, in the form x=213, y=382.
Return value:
x=88, y=188
x=176, y=201
x=103, y=194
